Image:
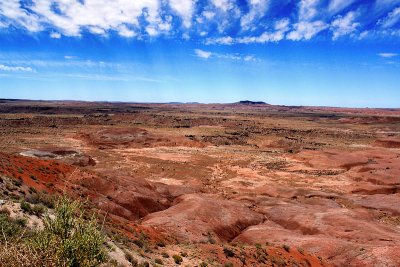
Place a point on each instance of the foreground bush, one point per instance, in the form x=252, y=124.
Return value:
x=66, y=240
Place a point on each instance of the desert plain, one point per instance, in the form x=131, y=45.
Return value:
x=242, y=184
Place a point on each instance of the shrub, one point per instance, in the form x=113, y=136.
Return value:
x=165, y=255
x=67, y=240
x=17, y=182
x=177, y=258
x=74, y=241
x=228, y=252
x=159, y=261
x=144, y=264
x=26, y=207
x=286, y=247
x=38, y=209
x=32, y=190
x=130, y=258
x=203, y=264
x=10, y=228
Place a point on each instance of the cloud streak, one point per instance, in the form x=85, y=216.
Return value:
x=15, y=68
x=388, y=55
x=208, y=54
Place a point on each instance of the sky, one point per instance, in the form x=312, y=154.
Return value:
x=306, y=52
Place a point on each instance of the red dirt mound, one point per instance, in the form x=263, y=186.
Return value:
x=344, y=236
x=199, y=218
x=37, y=173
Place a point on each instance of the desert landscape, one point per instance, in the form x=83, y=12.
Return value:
x=242, y=184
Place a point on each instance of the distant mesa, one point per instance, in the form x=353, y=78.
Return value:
x=248, y=102
x=183, y=103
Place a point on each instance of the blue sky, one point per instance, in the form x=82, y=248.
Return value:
x=307, y=52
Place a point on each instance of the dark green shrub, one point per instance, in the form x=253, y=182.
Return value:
x=32, y=190
x=228, y=252
x=9, y=227
x=26, y=207
x=38, y=209
x=159, y=261
x=177, y=258
x=203, y=264
x=165, y=255
x=144, y=264
x=130, y=258
x=286, y=247
x=75, y=242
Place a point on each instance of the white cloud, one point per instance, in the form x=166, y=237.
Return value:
x=224, y=5
x=308, y=9
x=208, y=14
x=258, y=9
x=344, y=25
x=70, y=57
x=124, y=31
x=226, y=40
x=15, y=68
x=185, y=9
x=97, y=16
x=336, y=6
x=388, y=55
x=12, y=10
x=391, y=19
x=55, y=35
x=249, y=58
x=281, y=27
x=306, y=30
x=212, y=21
x=202, y=54
x=363, y=35
x=207, y=54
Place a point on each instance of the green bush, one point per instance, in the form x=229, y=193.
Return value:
x=286, y=247
x=26, y=207
x=66, y=241
x=10, y=228
x=38, y=209
x=76, y=242
x=130, y=258
x=177, y=258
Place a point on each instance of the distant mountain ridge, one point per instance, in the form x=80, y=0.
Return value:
x=248, y=102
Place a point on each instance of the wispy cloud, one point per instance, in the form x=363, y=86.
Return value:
x=202, y=54
x=391, y=19
x=388, y=55
x=344, y=25
x=207, y=54
x=55, y=35
x=306, y=30
x=15, y=68
x=70, y=57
